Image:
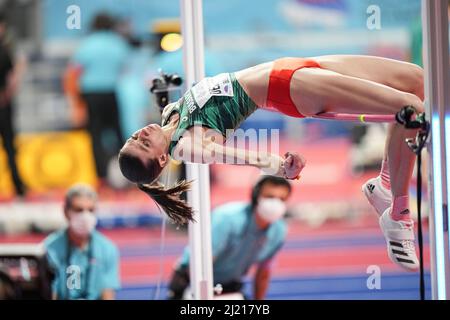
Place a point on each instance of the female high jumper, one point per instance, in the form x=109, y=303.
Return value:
x=201, y=121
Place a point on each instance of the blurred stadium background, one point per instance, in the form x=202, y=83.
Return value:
x=333, y=233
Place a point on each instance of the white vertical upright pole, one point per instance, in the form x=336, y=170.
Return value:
x=200, y=231
x=437, y=97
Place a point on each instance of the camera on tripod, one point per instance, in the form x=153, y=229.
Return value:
x=165, y=87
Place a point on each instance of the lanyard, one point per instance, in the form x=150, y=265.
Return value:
x=85, y=289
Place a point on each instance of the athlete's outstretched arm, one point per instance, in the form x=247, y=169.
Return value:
x=208, y=152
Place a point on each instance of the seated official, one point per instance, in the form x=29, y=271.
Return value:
x=243, y=234
x=86, y=263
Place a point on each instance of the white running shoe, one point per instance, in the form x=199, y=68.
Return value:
x=399, y=237
x=379, y=197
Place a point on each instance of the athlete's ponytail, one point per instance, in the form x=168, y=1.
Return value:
x=145, y=175
x=169, y=200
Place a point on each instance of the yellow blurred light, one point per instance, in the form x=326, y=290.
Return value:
x=171, y=42
x=50, y=160
x=56, y=164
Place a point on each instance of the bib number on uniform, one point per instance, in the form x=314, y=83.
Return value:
x=219, y=85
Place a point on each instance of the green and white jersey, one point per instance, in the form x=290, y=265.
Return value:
x=219, y=103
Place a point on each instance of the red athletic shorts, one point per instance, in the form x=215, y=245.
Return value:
x=279, y=96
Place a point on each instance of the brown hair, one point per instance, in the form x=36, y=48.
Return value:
x=145, y=175
x=169, y=200
x=102, y=21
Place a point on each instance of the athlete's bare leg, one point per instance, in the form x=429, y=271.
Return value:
x=316, y=90
x=403, y=76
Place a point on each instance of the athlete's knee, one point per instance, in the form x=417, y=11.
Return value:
x=414, y=101
x=415, y=80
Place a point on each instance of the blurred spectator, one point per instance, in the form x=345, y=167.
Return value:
x=9, y=78
x=123, y=26
x=242, y=235
x=86, y=264
x=100, y=60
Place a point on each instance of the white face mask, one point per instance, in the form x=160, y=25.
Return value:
x=82, y=223
x=271, y=209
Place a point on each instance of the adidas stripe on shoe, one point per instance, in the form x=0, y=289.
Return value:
x=399, y=237
x=378, y=196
